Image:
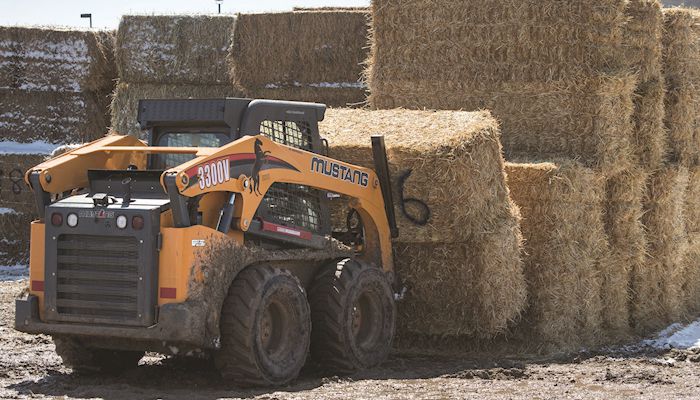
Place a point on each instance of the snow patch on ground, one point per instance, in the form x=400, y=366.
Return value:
x=13, y=272
x=5, y=210
x=677, y=336
x=38, y=147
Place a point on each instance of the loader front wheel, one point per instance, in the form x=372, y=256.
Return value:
x=353, y=316
x=86, y=359
x=265, y=328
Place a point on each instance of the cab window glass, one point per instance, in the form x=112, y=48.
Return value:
x=185, y=139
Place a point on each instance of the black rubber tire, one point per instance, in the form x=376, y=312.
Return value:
x=338, y=341
x=85, y=359
x=265, y=328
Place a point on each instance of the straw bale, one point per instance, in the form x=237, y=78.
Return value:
x=691, y=284
x=493, y=40
x=299, y=49
x=183, y=49
x=628, y=246
x=124, y=105
x=566, y=250
x=14, y=193
x=475, y=288
x=14, y=238
x=455, y=164
x=330, y=96
x=588, y=120
x=56, y=117
x=692, y=201
x=656, y=287
x=681, y=64
x=56, y=59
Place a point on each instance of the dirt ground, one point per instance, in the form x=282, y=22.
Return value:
x=29, y=368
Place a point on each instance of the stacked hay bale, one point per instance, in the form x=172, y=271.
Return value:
x=161, y=56
x=691, y=285
x=54, y=84
x=566, y=249
x=461, y=267
x=558, y=77
x=305, y=55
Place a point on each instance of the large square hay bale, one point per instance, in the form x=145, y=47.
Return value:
x=448, y=160
x=183, y=49
x=566, y=251
x=15, y=195
x=681, y=65
x=14, y=237
x=308, y=56
x=54, y=117
x=126, y=98
x=692, y=201
x=643, y=53
x=56, y=59
x=475, y=288
x=656, y=286
x=691, y=284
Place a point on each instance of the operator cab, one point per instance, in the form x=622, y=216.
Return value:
x=298, y=211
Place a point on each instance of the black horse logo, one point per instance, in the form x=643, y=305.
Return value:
x=260, y=160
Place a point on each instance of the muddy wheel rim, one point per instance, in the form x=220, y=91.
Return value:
x=274, y=329
x=366, y=320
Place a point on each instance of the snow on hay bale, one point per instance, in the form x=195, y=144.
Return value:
x=455, y=164
x=656, y=286
x=55, y=117
x=14, y=193
x=643, y=52
x=462, y=269
x=307, y=56
x=124, y=105
x=56, y=59
x=681, y=65
x=182, y=49
x=566, y=251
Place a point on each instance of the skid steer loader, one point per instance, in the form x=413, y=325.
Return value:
x=213, y=237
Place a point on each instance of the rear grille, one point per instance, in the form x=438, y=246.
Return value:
x=97, y=277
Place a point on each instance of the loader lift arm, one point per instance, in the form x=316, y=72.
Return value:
x=248, y=167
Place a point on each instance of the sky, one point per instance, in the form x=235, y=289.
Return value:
x=106, y=13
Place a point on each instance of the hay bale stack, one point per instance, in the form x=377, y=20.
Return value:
x=54, y=117
x=681, y=65
x=642, y=42
x=566, y=251
x=174, y=49
x=656, y=287
x=462, y=268
x=322, y=63
x=126, y=98
x=14, y=239
x=691, y=285
x=167, y=57
x=54, y=84
x=551, y=71
x=56, y=59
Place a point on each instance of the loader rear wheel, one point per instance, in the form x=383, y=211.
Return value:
x=265, y=328
x=353, y=316
x=86, y=359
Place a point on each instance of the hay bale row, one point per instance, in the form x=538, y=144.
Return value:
x=52, y=116
x=681, y=63
x=14, y=239
x=462, y=268
x=656, y=286
x=169, y=49
x=588, y=120
x=493, y=41
x=56, y=59
x=566, y=252
x=124, y=104
x=642, y=43
x=691, y=284
x=323, y=62
x=14, y=193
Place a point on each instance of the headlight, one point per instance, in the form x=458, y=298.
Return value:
x=121, y=221
x=72, y=220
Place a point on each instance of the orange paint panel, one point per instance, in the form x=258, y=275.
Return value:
x=36, y=262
